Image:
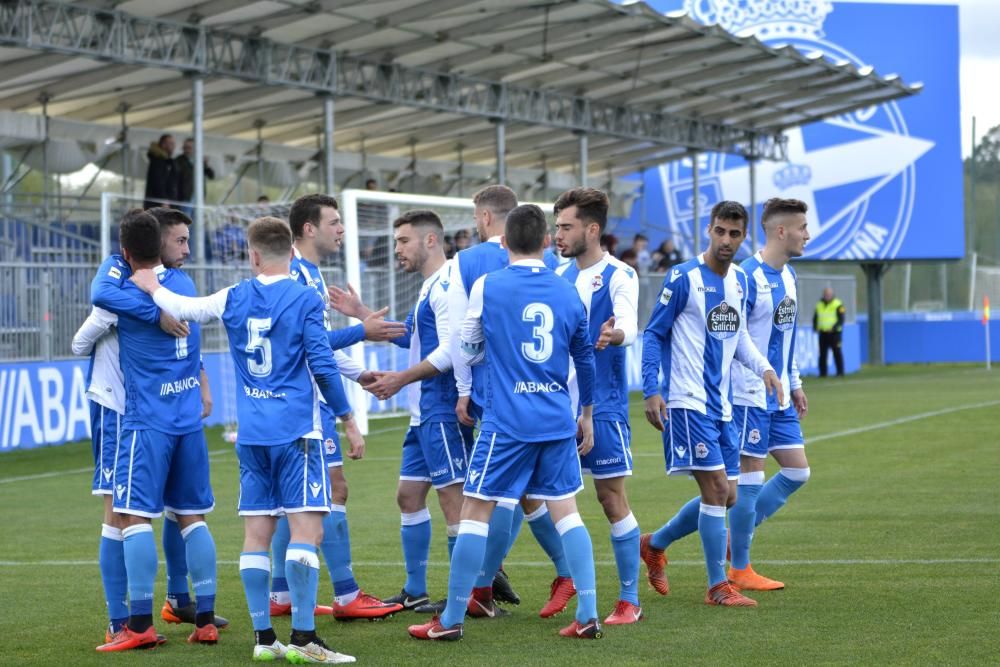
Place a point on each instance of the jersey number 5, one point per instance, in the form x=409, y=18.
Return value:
x=257, y=327
x=539, y=348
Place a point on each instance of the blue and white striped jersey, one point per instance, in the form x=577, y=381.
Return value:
x=162, y=373
x=430, y=339
x=609, y=287
x=466, y=267
x=523, y=326
x=772, y=308
x=696, y=329
x=277, y=340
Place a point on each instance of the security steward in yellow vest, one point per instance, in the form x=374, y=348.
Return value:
x=828, y=321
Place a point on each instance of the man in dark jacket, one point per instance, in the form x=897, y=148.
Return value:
x=161, y=176
x=185, y=172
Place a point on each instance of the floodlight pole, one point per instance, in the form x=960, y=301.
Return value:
x=198, y=137
x=696, y=204
x=328, y=143
x=501, y=128
x=584, y=159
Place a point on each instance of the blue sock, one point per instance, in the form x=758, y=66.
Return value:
x=684, y=523
x=452, y=537
x=741, y=518
x=515, y=527
x=279, y=545
x=415, y=533
x=254, y=570
x=175, y=554
x=140, y=564
x=580, y=556
x=466, y=561
x=625, y=544
x=336, y=546
x=540, y=522
x=712, y=528
x=496, y=544
x=112, y=561
x=201, y=562
x=775, y=493
x=302, y=571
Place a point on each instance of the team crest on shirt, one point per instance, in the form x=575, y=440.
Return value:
x=700, y=450
x=723, y=321
x=754, y=436
x=597, y=282
x=784, y=314
x=331, y=446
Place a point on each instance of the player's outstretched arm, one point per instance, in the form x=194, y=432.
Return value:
x=106, y=292
x=196, y=309
x=97, y=324
x=347, y=302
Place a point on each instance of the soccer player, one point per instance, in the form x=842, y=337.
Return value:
x=695, y=330
x=524, y=323
x=763, y=425
x=318, y=232
x=433, y=448
x=492, y=205
x=162, y=459
x=279, y=347
x=98, y=338
x=178, y=607
x=609, y=290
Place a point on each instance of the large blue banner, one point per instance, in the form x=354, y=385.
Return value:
x=883, y=182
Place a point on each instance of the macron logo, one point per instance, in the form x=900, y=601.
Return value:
x=315, y=489
x=680, y=450
x=537, y=387
x=473, y=476
x=107, y=474
x=120, y=489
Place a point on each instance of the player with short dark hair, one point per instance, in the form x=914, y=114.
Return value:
x=763, y=424
x=523, y=325
x=696, y=329
x=434, y=452
x=318, y=232
x=609, y=291
x=281, y=355
x=162, y=459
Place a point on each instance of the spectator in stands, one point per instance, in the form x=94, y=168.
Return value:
x=462, y=240
x=229, y=243
x=666, y=256
x=161, y=176
x=449, y=246
x=609, y=242
x=640, y=246
x=631, y=258
x=185, y=173
x=371, y=184
x=264, y=200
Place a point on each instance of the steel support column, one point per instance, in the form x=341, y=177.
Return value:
x=198, y=136
x=328, y=144
x=501, y=128
x=752, y=223
x=695, y=204
x=873, y=279
x=584, y=159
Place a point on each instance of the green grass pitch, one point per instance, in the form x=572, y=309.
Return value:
x=890, y=553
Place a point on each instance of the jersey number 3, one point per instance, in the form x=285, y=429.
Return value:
x=539, y=348
x=257, y=328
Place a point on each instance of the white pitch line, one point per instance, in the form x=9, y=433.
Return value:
x=879, y=425
x=76, y=471
x=603, y=563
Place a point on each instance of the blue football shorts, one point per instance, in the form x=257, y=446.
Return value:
x=105, y=425
x=158, y=471
x=434, y=452
x=503, y=469
x=693, y=441
x=283, y=479
x=759, y=431
x=612, y=452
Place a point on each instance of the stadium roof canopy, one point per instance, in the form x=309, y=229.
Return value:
x=429, y=79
